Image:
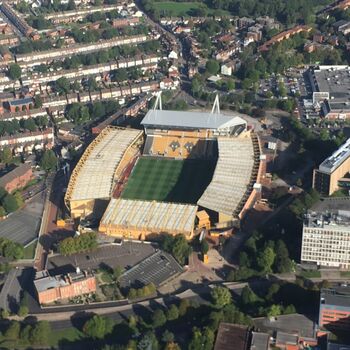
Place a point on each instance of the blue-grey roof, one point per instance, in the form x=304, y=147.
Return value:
x=191, y=120
x=22, y=101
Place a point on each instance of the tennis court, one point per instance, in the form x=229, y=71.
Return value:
x=162, y=179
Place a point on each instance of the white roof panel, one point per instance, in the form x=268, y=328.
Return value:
x=192, y=120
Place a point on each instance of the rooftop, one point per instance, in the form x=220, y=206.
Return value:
x=232, y=175
x=232, y=337
x=14, y=174
x=190, y=120
x=337, y=158
x=260, y=341
x=20, y=102
x=339, y=296
x=150, y=216
x=93, y=176
x=334, y=80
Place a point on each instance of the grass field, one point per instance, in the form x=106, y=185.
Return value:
x=184, y=9
x=29, y=251
x=168, y=180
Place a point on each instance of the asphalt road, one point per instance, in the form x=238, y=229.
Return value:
x=23, y=225
x=68, y=319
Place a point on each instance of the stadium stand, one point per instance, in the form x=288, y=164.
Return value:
x=140, y=219
x=233, y=179
x=93, y=177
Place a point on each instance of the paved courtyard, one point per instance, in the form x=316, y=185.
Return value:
x=126, y=255
x=155, y=269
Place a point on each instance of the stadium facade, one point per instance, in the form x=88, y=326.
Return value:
x=99, y=182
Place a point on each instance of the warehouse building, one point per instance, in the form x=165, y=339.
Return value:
x=330, y=86
x=333, y=173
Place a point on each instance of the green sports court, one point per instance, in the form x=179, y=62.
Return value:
x=169, y=180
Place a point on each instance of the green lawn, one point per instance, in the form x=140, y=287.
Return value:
x=310, y=274
x=184, y=9
x=345, y=274
x=29, y=251
x=160, y=179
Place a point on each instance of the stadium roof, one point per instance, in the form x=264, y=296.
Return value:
x=150, y=216
x=93, y=176
x=231, y=176
x=190, y=120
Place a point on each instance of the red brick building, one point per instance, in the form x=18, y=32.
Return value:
x=53, y=288
x=335, y=309
x=16, y=178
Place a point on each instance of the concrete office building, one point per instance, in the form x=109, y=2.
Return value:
x=334, y=311
x=332, y=172
x=326, y=234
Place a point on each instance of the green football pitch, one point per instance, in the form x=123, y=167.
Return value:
x=168, y=180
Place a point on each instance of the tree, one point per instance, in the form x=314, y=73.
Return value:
x=62, y=85
x=168, y=337
x=221, y=296
x=48, y=160
x=97, y=327
x=183, y=306
x=6, y=155
x=41, y=333
x=282, y=262
x=230, y=84
x=9, y=203
x=38, y=103
x=23, y=311
x=274, y=288
x=204, y=246
x=14, y=71
x=274, y=310
x=172, y=313
x=180, y=249
x=158, y=318
x=2, y=212
x=248, y=297
x=148, y=342
x=12, y=332
x=117, y=272
x=121, y=75
x=212, y=67
x=265, y=259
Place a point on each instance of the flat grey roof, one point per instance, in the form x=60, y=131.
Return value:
x=332, y=205
x=336, y=81
x=260, y=341
x=339, y=296
x=191, y=120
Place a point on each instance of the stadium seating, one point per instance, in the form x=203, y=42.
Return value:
x=232, y=176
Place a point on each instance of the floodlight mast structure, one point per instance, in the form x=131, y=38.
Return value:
x=158, y=102
x=216, y=106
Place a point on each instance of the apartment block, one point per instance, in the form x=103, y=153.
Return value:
x=326, y=233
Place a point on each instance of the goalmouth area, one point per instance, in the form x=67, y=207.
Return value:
x=169, y=180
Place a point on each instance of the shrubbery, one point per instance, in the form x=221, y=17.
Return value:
x=78, y=244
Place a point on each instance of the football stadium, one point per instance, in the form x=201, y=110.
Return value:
x=183, y=172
